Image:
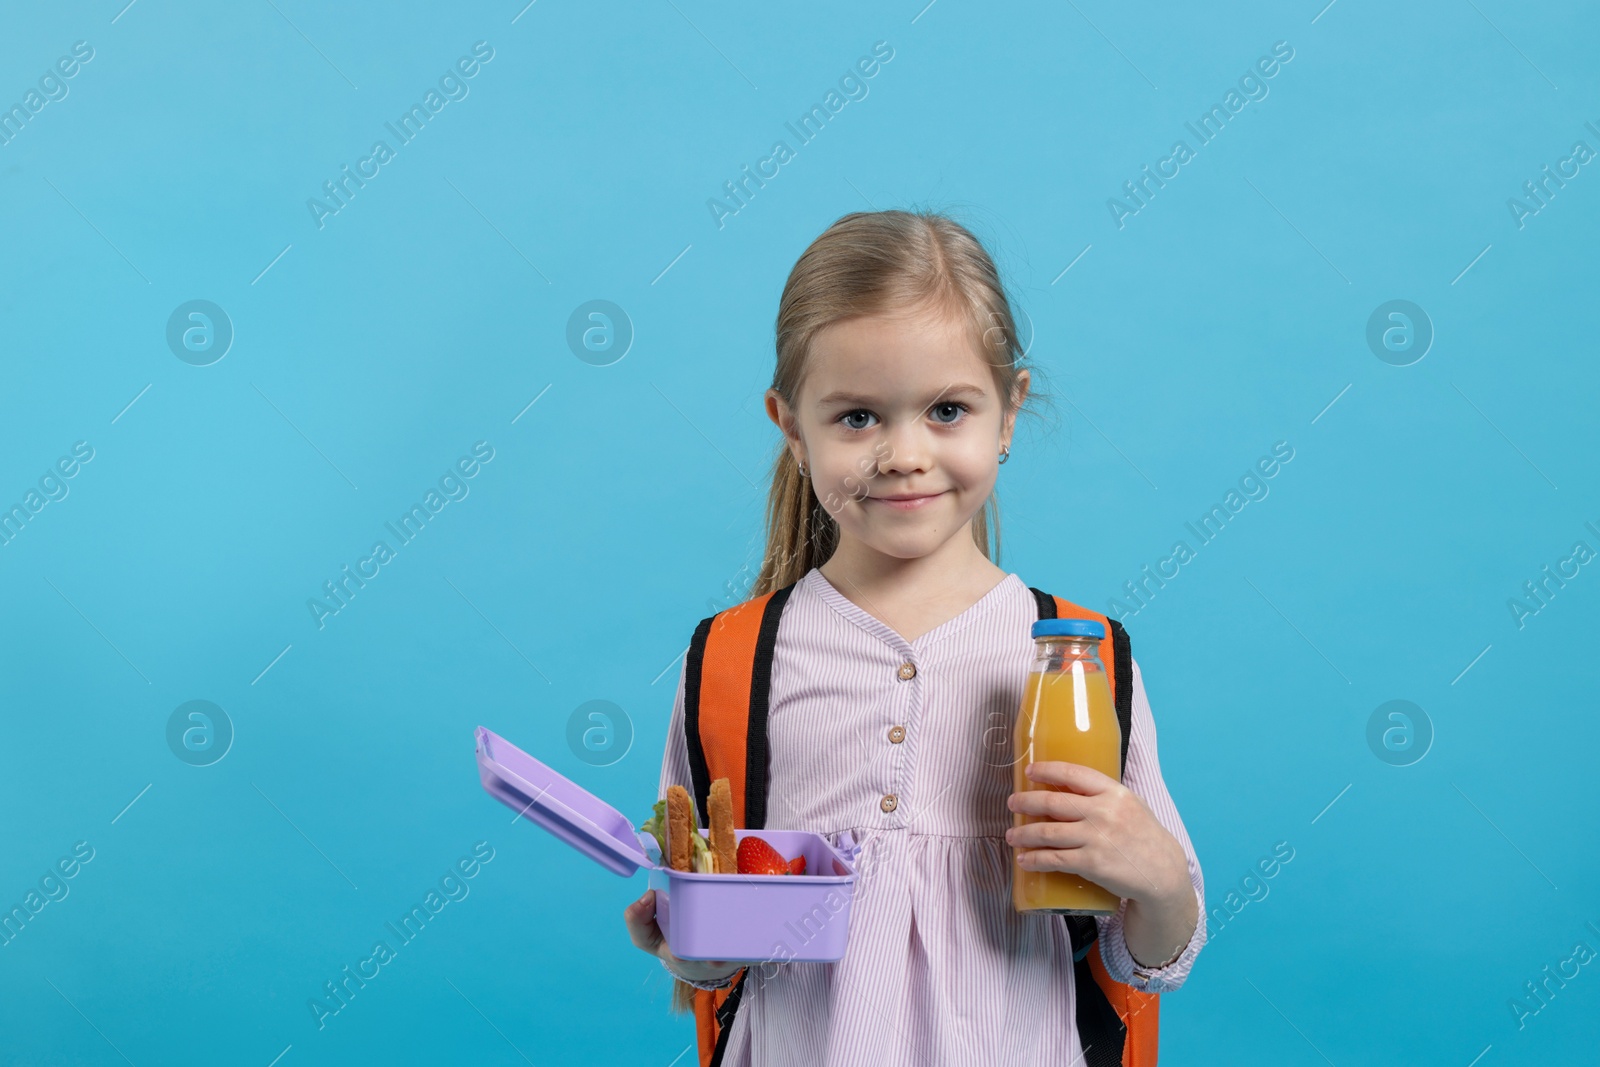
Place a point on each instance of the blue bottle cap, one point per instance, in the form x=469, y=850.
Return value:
x=1069, y=628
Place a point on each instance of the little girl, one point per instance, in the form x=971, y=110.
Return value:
x=902, y=644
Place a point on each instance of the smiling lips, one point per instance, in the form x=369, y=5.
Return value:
x=906, y=501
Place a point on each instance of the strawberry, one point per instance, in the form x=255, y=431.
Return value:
x=797, y=865
x=758, y=857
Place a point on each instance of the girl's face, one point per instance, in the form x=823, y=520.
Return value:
x=900, y=425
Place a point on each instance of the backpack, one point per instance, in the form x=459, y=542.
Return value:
x=726, y=682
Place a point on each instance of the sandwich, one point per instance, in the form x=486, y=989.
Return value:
x=724, y=843
x=677, y=831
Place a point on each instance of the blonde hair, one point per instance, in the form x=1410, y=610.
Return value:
x=869, y=263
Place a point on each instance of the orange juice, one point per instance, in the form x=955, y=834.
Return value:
x=1067, y=715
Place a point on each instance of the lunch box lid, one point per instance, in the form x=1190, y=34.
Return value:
x=560, y=805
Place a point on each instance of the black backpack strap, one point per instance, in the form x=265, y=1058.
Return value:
x=725, y=1014
x=699, y=774
x=756, y=776
x=1122, y=653
x=1100, y=1030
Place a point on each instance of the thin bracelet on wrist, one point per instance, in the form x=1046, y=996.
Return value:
x=723, y=983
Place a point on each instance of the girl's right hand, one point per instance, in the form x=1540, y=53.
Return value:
x=646, y=934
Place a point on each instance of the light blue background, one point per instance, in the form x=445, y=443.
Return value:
x=621, y=508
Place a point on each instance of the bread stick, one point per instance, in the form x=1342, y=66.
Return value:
x=724, y=844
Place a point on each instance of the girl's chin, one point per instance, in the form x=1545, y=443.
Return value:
x=904, y=544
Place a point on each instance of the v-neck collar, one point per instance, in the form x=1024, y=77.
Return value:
x=855, y=613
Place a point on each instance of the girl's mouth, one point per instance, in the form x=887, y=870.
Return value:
x=906, y=501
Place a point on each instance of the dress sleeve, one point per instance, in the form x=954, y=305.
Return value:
x=1143, y=776
x=675, y=757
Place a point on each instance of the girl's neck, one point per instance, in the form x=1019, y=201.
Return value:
x=913, y=596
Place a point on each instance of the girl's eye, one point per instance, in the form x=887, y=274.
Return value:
x=948, y=412
x=850, y=418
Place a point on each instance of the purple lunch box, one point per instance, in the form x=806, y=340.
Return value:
x=725, y=917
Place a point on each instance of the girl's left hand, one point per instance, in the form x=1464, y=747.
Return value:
x=1095, y=826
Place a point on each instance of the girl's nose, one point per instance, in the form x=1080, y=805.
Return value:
x=905, y=453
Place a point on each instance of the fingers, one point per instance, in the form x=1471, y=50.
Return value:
x=1050, y=859
x=1050, y=804
x=640, y=917
x=1048, y=834
x=1074, y=776
x=643, y=907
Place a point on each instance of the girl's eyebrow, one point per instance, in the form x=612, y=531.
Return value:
x=959, y=389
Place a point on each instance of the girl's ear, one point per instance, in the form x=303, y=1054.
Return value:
x=1019, y=393
x=782, y=416
x=777, y=410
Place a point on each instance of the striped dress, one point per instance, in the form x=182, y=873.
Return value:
x=940, y=968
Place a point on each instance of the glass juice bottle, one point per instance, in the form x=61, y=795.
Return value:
x=1066, y=715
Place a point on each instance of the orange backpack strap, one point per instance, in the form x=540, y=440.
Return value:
x=1117, y=1024
x=725, y=701
x=725, y=696
x=1138, y=1012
